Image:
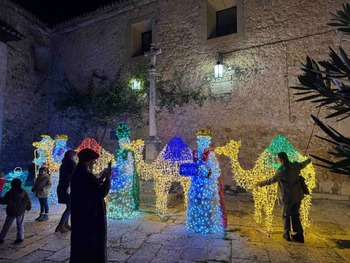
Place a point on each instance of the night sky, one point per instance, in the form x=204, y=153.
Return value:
x=55, y=11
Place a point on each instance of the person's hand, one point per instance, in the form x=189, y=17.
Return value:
x=107, y=174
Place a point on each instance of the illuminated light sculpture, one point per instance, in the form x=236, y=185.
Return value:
x=265, y=168
x=89, y=143
x=146, y=171
x=167, y=166
x=43, y=153
x=57, y=154
x=17, y=173
x=59, y=150
x=105, y=156
x=206, y=211
x=163, y=171
x=123, y=198
x=43, y=156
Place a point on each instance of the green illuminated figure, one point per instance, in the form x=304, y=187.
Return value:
x=123, y=198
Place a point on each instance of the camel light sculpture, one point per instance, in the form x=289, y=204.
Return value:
x=265, y=168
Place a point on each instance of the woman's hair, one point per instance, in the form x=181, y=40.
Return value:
x=70, y=153
x=284, y=157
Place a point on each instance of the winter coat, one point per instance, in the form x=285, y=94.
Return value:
x=42, y=185
x=289, y=189
x=66, y=170
x=17, y=202
x=88, y=216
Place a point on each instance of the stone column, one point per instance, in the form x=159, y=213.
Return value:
x=153, y=142
x=3, y=70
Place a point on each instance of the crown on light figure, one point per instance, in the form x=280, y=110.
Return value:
x=204, y=132
x=61, y=137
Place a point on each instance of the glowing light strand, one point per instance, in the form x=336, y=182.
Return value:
x=163, y=171
x=45, y=158
x=204, y=211
x=168, y=164
x=123, y=198
x=265, y=168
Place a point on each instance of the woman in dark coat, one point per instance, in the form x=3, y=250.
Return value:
x=89, y=224
x=290, y=194
x=63, y=189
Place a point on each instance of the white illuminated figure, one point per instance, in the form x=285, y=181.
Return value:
x=123, y=198
x=206, y=211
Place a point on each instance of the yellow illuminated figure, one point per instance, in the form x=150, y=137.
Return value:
x=164, y=171
x=43, y=154
x=168, y=163
x=265, y=168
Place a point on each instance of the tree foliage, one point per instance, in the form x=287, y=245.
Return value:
x=104, y=100
x=327, y=83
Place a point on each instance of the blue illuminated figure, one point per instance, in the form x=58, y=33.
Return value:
x=205, y=211
x=123, y=198
x=60, y=148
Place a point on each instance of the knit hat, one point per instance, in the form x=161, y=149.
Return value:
x=87, y=155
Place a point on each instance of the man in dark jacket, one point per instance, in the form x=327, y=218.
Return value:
x=88, y=211
x=63, y=188
x=17, y=201
x=290, y=194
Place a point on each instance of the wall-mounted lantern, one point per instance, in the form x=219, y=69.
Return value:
x=135, y=84
x=219, y=68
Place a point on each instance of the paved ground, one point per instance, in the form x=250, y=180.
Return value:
x=150, y=239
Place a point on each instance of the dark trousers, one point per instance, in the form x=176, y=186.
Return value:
x=44, y=206
x=65, y=215
x=292, y=212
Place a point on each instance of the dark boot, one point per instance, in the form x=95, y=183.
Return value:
x=17, y=241
x=286, y=236
x=44, y=218
x=298, y=237
x=39, y=217
x=60, y=228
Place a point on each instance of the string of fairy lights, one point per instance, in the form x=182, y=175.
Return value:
x=49, y=153
x=265, y=168
x=168, y=163
x=123, y=198
x=198, y=173
x=205, y=211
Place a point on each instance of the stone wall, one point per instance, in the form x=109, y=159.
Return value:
x=24, y=93
x=265, y=59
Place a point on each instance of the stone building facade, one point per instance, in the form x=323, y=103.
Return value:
x=23, y=87
x=252, y=103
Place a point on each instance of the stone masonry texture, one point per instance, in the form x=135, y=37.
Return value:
x=265, y=57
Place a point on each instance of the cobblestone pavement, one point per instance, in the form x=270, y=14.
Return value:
x=147, y=238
